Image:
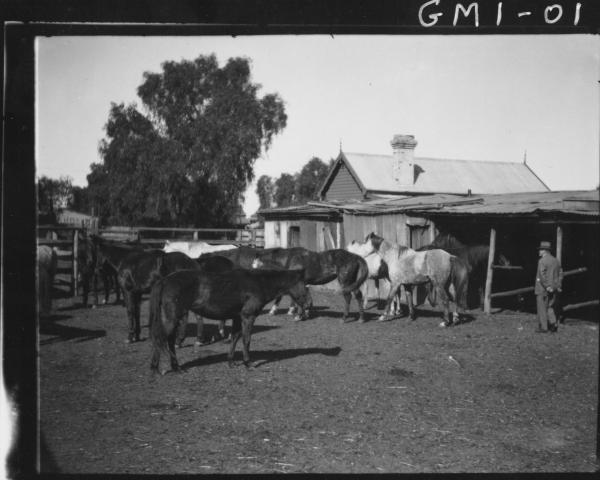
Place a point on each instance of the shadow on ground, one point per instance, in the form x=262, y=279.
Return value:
x=53, y=326
x=267, y=356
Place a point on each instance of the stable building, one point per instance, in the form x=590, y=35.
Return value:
x=360, y=184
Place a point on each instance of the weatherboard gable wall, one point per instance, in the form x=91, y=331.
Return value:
x=343, y=185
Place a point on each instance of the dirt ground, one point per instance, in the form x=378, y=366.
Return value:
x=489, y=395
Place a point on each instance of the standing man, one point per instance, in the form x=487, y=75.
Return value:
x=547, y=288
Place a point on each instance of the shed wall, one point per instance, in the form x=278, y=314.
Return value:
x=313, y=234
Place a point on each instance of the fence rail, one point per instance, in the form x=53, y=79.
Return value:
x=156, y=236
x=568, y=273
x=66, y=239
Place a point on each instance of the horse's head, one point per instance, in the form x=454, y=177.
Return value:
x=374, y=241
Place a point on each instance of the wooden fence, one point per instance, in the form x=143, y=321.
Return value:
x=491, y=267
x=156, y=236
x=66, y=239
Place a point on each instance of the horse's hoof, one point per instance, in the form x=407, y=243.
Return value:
x=361, y=320
x=298, y=318
x=227, y=340
x=230, y=364
x=93, y=307
x=383, y=318
x=200, y=343
x=272, y=312
x=445, y=324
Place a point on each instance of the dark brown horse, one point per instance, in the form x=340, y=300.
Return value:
x=210, y=264
x=137, y=270
x=97, y=259
x=238, y=294
x=320, y=268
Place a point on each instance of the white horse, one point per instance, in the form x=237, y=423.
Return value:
x=446, y=274
x=377, y=271
x=47, y=263
x=195, y=248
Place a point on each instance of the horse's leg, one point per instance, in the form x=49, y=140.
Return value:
x=443, y=295
x=392, y=293
x=199, y=331
x=275, y=306
x=106, y=281
x=293, y=307
x=409, y=300
x=364, y=290
x=117, y=289
x=236, y=332
x=85, y=285
x=361, y=310
x=247, y=323
x=223, y=333
x=95, y=287
x=137, y=304
x=172, y=338
x=347, y=298
x=127, y=294
x=181, y=328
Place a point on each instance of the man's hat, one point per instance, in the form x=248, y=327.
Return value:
x=545, y=246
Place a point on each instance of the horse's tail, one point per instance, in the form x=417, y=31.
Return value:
x=459, y=277
x=362, y=273
x=157, y=331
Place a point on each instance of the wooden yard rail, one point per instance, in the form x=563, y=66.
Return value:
x=65, y=239
x=67, y=249
x=518, y=291
x=488, y=296
x=156, y=236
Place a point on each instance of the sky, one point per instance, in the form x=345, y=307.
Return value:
x=475, y=97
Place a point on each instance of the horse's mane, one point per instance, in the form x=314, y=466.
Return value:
x=446, y=240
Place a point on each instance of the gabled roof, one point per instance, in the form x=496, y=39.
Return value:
x=433, y=175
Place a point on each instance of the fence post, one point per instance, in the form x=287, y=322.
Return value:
x=253, y=238
x=559, y=243
x=195, y=235
x=487, y=301
x=75, y=279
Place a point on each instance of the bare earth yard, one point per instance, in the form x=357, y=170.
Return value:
x=489, y=395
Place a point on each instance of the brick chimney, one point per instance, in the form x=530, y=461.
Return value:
x=403, y=169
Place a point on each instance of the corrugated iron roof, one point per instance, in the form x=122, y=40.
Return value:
x=435, y=175
x=575, y=202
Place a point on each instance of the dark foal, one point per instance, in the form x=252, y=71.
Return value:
x=238, y=294
x=138, y=272
x=210, y=264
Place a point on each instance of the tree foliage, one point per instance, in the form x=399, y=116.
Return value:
x=293, y=189
x=188, y=158
x=54, y=194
